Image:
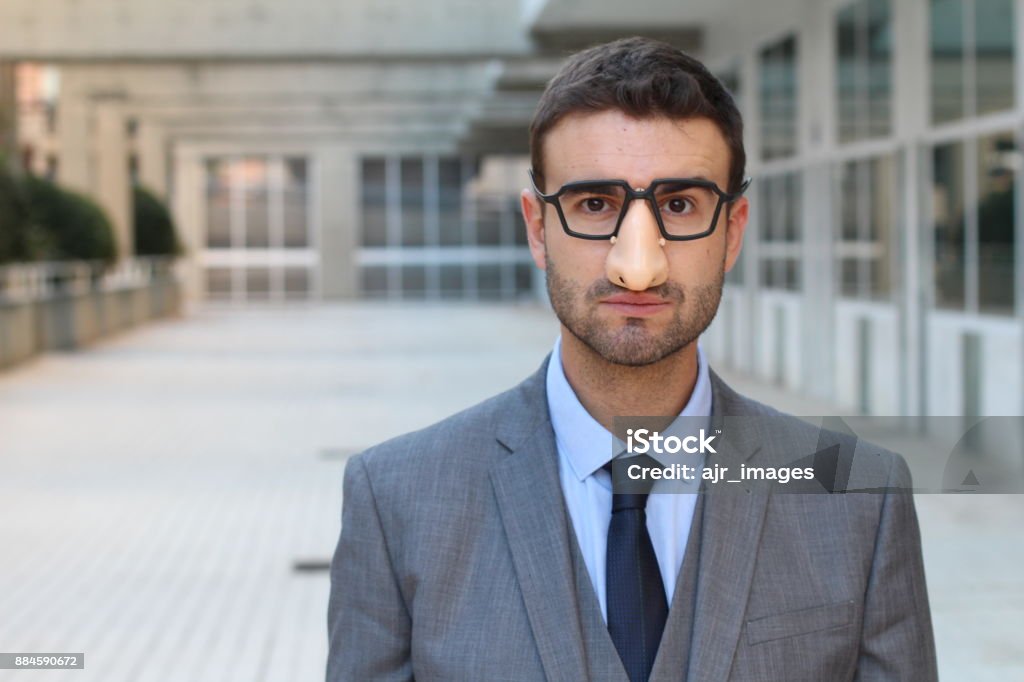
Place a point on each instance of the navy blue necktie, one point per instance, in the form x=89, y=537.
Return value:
x=637, y=608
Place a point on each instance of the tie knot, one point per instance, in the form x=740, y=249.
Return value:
x=624, y=501
x=627, y=501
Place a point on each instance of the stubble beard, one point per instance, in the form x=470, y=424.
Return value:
x=634, y=344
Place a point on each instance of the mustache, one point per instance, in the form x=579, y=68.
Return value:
x=602, y=288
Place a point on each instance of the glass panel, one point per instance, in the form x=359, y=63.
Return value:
x=849, y=282
x=374, y=201
x=451, y=281
x=489, y=281
x=792, y=207
x=769, y=213
x=947, y=60
x=524, y=278
x=296, y=202
x=256, y=199
x=879, y=68
x=296, y=282
x=517, y=218
x=780, y=223
x=218, y=282
x=450, y=201
x=257, y=283
x=847, y=77
x=848, y=200
x=879, y=204
x=993, y=39
x=998, y=159
x=414, y=281
x=413, y=202
x=488, y=220
x=373, y=281
x=948, y=209
x=778, y=99
x=218, y=204
x=792, y=274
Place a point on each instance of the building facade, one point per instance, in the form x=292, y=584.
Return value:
x=335, y=150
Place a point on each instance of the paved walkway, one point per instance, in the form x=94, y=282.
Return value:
x=159, y=492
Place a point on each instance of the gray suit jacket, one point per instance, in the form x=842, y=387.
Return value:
x=457, y=561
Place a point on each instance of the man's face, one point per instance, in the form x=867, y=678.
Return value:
x=633, y=302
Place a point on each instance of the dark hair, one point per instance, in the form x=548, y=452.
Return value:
x=642, y=78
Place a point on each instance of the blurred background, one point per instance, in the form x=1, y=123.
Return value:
x=241, y=240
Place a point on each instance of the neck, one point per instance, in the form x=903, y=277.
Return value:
x=608, y=390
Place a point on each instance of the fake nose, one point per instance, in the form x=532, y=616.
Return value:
x=637, y=260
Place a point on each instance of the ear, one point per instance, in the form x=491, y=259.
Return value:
x=735, y=227
x=533, y=216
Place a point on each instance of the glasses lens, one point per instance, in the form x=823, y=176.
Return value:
x=686, y=210
x=593, y=209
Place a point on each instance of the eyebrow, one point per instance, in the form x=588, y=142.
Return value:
x=598, y=181
x=592, y=185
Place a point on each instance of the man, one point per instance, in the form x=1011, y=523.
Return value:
x=491, y=546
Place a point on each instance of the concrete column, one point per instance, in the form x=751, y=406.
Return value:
x=74, y=134
x=8, y=112
x=911, y=87
x=188, y=208
x=152, y=151
x=816, y=93
x=336, y=221
x=113, y=184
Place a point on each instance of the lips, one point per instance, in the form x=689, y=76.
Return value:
x=636, y=304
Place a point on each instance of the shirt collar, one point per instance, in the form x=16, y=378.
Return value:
x=580, y=438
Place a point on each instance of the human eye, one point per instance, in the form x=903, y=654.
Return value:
x=593, y=201
x=678, y=204
x=594, y=204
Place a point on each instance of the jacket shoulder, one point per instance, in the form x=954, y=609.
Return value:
x=841, y=459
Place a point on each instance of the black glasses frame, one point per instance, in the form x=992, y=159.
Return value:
x=644, y=194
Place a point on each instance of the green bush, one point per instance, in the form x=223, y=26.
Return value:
x=154, y=228
x=20, y=239
x=76, y=228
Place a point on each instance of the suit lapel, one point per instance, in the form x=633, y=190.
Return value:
x=526, y=486
x=529, y=497
x=729, y=544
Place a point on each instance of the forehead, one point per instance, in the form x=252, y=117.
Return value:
x=612, y=144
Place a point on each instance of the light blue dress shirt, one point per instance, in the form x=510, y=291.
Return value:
x=584, y=446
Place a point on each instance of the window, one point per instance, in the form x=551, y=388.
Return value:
x=413, y=203
x=778, y=100
x=864, y=70
x=258, y=239
x=455, y=228
x=974, y=236
x=948, y=214
x=255, y=202
x=375, y=229
x=780, y=231
x=864, y=258
x=972, y=48
x=296, y=203
x=998, y=160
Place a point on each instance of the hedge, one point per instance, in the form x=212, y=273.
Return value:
x=154, y=228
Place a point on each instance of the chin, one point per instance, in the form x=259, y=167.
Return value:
x=633, y=346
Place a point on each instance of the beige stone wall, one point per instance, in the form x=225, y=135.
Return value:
x=8, y=118
x=69, y=321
